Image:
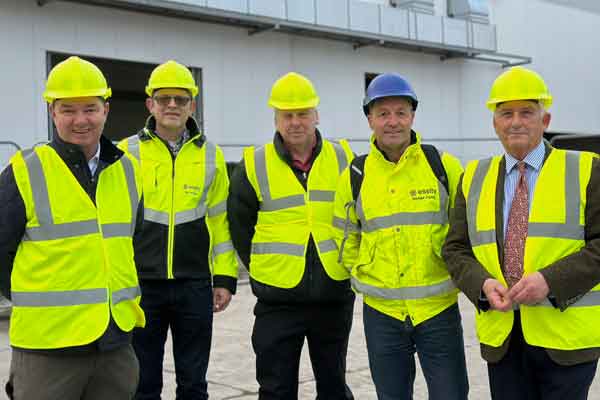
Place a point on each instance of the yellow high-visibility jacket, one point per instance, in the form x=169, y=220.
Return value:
x=74, y=266
x=392, y=237
x=556, y=229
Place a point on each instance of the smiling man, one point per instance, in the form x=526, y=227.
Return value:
x=524, y=246
x=184, y=255
x=390, y=220
x=69, y=209
x=280, y=210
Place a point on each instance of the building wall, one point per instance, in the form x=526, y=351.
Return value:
x=238, y=70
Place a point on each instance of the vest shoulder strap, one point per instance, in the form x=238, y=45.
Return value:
x=357, y=168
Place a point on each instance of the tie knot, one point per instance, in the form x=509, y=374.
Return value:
x=522, y=167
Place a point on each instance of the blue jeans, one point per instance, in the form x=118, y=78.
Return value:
x=391, y=345
x=185, y=306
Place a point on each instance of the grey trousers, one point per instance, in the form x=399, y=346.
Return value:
x=106, y=375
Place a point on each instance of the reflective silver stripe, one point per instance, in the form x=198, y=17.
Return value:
x=327, y=245
x=341, y=224
x=194, y=214
x=129, y=293
x=282, y=203
x=56, y=299
x=133, y=146
x=222, y=248
x=321, y=195
x=341, y=157
x=260, y=167
x=39, y=189
x=61, y=231
x=407, y=218
x=476, y=237
x=278, y=248
x=132, y=188
x=590, y=299
x=217, y=209
x=158, y=217
x=116, y=230
x=571, y=229
x=405, y=293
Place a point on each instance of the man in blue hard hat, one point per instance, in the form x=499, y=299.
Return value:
x=390, y=221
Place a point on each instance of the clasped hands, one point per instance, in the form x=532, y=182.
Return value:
x=530, y=290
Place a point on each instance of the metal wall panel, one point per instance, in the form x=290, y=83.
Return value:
x=301, y=10
x=426, y=27
x=394, y=22
x=201, y=3
x=268, y=8
x=455, y=32
x=240, y=6
x=483, y=36
x=364, y=16
x=333, y=13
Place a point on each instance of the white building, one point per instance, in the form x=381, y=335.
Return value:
x=239, y=47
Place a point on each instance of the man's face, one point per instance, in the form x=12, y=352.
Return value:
x=520, y=126
x=391, y=120
x=171, y=108
x=297, y=127
x=80, y=121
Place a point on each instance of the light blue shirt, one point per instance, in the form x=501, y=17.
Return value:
x=533, y=164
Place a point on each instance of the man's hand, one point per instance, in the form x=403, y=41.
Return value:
x=530, y=290
x=497, y=295
x=221, y=299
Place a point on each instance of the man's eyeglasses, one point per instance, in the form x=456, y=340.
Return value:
x=180, y=101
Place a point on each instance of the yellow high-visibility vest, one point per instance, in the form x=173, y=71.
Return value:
x=556, y=229
x=289, y=215
x=74, y=266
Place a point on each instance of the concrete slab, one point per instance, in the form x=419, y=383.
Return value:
x=231, y=372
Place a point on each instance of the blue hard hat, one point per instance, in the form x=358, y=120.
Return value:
x=389, y=85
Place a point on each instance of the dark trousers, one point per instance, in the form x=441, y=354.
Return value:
x=391, y=346
x=527, y=373
x=185, y=306
x=278, y=336
x=98, y=375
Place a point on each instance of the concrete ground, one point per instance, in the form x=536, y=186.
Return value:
x=231, y=371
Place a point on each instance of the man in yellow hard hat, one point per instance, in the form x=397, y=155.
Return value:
x=185, y=259
x=280, y=210
x=69, y=210
x=390, y=221
x=524, y=246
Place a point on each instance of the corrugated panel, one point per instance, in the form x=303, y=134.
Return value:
x=427, y=27
x=483, y=36
x=455, y=32
x=394, y=22
x=333, y=13
x=240, y=6
x=269, y=8
x=364, y=16
x=301, y=10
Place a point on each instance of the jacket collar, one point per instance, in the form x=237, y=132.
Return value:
x=285, y=155
x=72, y=154
x=148, y=132
x=415, y=138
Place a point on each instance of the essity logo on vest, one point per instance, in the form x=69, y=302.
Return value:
x=191, y=190
x=423, y=194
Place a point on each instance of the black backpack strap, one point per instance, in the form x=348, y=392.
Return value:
x=435, y=162
x=357, y=174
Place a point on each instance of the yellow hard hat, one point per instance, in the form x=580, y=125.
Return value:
x=171, y=75
x=75, y=77
x=519, y=83
x=293, y=92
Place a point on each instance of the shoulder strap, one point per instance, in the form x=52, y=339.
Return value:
x=357, y=168
x=435, y=162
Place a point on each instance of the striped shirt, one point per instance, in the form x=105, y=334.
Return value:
x=533, y=162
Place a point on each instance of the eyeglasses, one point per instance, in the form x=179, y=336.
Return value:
x=180, y=101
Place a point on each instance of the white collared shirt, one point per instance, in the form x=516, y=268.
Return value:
x=93, y=162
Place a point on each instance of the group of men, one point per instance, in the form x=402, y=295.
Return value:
x=105, y=248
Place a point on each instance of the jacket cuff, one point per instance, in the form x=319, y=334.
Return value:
x=224, y=281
